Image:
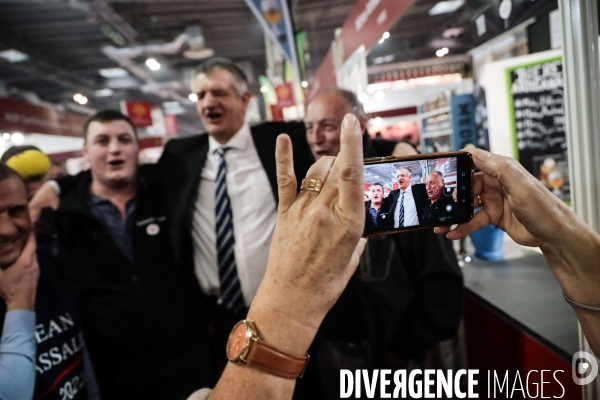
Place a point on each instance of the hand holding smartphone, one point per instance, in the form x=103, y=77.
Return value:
x=417, y=192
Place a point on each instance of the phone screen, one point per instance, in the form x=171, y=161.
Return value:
x=417, y=192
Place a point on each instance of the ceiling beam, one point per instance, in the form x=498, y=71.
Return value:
x=83, y=87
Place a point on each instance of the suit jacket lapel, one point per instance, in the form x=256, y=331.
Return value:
x=195, y=163
x=265, y=147
x=421, y=199
x=182, y=189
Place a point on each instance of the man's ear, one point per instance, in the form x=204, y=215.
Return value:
x=84, y=150
x=246, y=99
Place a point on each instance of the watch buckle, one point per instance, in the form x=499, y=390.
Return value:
x=305, y=365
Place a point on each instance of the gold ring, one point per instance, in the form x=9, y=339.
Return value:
x=480, y=202
x=311, y=184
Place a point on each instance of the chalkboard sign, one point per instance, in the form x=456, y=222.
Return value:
x=540, y=144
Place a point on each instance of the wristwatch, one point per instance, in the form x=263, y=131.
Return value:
x=245, y=346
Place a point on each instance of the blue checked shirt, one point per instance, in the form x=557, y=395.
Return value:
x=374, y=213
x=109, y=216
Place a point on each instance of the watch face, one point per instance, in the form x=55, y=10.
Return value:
x=236, y=342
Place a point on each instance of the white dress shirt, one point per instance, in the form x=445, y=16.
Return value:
x=254, y=214
x=410, y=209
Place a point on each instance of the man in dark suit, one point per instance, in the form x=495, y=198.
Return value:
x=221, y=193
x=405, y=205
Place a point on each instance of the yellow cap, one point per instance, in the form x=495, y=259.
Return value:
x=31, y=165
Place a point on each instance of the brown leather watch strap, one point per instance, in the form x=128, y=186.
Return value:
x=276, y=362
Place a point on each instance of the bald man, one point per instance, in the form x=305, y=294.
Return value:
x=440, y=205
x=323, y=123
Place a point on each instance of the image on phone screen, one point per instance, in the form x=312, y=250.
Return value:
x=417, y=193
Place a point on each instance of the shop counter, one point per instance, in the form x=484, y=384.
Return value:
x=525, y=292
x=516, y=319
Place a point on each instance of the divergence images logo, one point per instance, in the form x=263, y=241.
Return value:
x=584, y=363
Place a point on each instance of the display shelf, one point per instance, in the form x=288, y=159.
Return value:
x=450, y=127
x=436, y=144
x=436, y=133
x=435, y=112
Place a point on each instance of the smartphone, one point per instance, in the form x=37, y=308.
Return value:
x=417, y=192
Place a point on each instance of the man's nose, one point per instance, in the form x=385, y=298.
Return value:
x=315, y=135
x=208, y=100
x=114, y=146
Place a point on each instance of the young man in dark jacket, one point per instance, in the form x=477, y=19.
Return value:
x=142, y=312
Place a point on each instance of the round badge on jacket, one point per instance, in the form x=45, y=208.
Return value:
x=152, y=229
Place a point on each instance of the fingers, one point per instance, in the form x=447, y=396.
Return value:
x=319, y=170
x=480, y=219
x=477, y=201
x=478, y=183
x=34, y=214
x=286, y=179
x=440, y=230
x=29, y=254
x=44, y=197
x=349, y=167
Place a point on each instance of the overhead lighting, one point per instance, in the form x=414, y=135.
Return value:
x=444, y=7
x=452, y=32
x=381, y=40
x=264, y=89
x=153, y=64
x=14, y=56
x=113, y=73
x=304, y=84
x=81, y=99
x=442, y=52
x=382, y=60
x=193, y=97
x=17, y=138
x=376, y=121
x=379, y=95
x=386, y=35
x=104, y=92
x=6, y=136
x=363, y=97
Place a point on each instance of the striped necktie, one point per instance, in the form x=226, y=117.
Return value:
x=401, y=212
x=230, y=288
